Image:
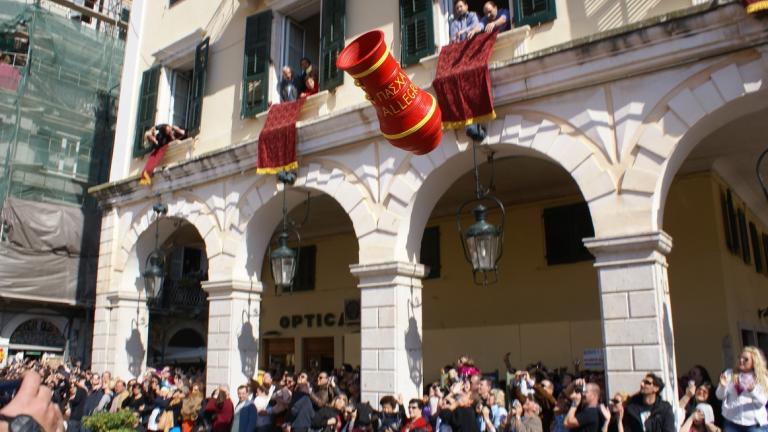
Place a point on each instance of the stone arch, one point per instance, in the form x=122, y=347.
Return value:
x=189, y=208
x=414, y=193
x=59, y=321
x=698, y=106
x=258, y=205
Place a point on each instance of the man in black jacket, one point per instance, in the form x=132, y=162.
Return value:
x=457, y=412
x=646, y=411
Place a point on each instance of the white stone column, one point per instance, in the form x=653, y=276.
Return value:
x=121, y=323
x=233, y=332
x=390, y=329
x=635, y=307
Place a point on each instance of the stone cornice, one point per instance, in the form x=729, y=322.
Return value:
x=228, y=289
x=663, y=42
x=630, y=249
x=388, y=274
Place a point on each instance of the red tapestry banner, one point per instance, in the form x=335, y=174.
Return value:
x=463, y=82
x=152, y=162
x=755, y=6
x=277, y=141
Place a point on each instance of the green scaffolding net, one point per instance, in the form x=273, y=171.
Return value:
x=59, y=81
x=58, y=120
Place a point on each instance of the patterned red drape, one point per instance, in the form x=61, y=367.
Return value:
x=277, y=141
x=152, y=162
x=755, y=6
x=463, y=82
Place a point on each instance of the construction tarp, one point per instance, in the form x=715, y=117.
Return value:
x=40, y=257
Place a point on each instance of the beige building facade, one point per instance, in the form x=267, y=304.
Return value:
x=637, y=123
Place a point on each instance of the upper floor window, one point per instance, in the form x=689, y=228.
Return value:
x=417, y=38
x=313, y=32
x=522, y=12
x=177, y=98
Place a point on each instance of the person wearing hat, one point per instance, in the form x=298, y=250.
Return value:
x=702, y=420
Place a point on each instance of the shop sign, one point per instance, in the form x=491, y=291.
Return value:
x=594, y=359
x=312, y=320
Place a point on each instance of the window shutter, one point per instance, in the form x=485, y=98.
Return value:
x=258, y=32
x=416, y=32
x=198, y=88
x=333, y=34
x=565, y=227
x=756, y=249
x=533, y=12
x=145, y=116
x=430, y=251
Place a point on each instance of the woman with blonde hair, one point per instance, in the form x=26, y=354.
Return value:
x=744, y=392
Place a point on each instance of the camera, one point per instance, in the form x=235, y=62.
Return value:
x=581, y=389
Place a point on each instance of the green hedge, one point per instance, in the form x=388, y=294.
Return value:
x=121, y=421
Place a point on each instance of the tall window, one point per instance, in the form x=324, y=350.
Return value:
x=258, y=31
x=333, y=25
x=533, y=12
x=417, y=38
x=565, y=227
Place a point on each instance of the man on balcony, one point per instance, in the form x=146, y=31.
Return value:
x=495, y=18
x=465, y=23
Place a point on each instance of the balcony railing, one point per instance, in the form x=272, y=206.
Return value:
x=186, y=294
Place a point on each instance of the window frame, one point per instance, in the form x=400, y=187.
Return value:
x=147, y=99
x=247, y=110
x=537, y=18
x=411, y=58
x=330, y=47
x=574, y=253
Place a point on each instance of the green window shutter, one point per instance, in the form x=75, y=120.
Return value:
x=198, y=88
x=145, y=116
x=416, y=33
x=333, y=34
x=258, y=32
x=533, y=12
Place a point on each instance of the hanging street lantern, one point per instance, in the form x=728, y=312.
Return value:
x=154, y=270
x=284, y=260
x=482, y=242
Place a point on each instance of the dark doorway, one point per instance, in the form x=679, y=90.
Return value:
x=318, y=354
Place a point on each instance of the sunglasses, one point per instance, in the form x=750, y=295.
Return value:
x=647, y=382
x=413, y=407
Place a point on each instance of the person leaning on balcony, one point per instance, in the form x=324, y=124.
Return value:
x=495, y=18
x=307, y=79
x=287, y=86
x=162, y=134
x=465, y=23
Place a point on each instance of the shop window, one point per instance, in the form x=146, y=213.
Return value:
x=564, y=229
x=751, y=337
x=430, y=252
x=305, y=274
x=417, y=38
x=745, y=253
x=756, y=249
x=258, y=32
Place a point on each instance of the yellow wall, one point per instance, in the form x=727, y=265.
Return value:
x=547, y=313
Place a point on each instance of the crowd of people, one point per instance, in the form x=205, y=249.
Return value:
x=533, y=399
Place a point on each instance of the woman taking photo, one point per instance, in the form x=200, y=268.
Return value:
x=743, y=392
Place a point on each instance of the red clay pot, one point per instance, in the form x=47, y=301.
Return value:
x=409, y=117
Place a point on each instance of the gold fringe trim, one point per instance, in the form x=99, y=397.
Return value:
x=462, y=123
x=418, y=125
x=274, y=170
x=757, y=7
x=146, y=179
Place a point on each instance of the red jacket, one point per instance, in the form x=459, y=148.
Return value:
x=223, y=415
x=417, y=425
